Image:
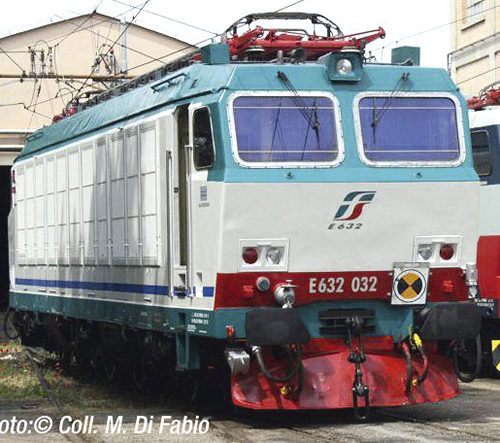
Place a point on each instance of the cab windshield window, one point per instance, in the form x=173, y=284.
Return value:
x=409, y=129
x=285, y=129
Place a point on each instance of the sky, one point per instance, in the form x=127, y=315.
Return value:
x=401, y=20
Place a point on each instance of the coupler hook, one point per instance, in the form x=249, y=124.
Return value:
x=357, y=357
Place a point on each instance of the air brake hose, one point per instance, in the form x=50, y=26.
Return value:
x=291, y=372
x=409, y=367
x=417, y=342
x=423, y=376
x=464, y=376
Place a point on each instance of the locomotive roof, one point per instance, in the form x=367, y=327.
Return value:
x=206, y=83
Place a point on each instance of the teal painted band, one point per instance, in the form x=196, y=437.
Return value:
x=392, y=321
x=212, y=85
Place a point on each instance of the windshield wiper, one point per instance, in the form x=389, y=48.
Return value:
x=275, y=131
x=314, y=111
x=305, y=110
x=376, y=117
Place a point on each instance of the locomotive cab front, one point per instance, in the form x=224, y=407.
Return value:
x=339, y=203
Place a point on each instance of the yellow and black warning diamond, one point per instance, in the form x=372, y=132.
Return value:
x=409, y=286
x=495, y=353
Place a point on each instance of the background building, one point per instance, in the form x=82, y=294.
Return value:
x=475, y=40
x=42, y=69
x=45, y=68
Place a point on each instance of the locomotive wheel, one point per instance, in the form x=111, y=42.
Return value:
x=66, y=358
x=227, y=405
x=110, y=369
x=140, y=375
x=95, y=358
x=139, y=378
x=467, y=359
x=190, y=386
x=9, y=325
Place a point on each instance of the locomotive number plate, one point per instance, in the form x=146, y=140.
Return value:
x=341, y=285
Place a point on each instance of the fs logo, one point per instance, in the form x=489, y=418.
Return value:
x=353, y=205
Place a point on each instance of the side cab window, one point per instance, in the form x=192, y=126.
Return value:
x=203, y=144
x=481, y=153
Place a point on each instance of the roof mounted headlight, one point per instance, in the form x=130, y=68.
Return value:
x=344, y=66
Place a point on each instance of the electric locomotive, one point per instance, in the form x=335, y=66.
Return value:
x=484, y=118
x=272, y=207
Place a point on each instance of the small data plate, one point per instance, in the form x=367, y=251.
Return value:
x=409, y=284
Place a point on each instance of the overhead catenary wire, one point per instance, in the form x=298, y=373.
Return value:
x=4, y=105
x=33, y=111
x=171, y=19
x=57, y=76
x=112, y=21
x=129, y=48
x=83, y=28
x=395, y=42
x=12, y=60
x=478, y=75
x=160, y=59
x=112, y=46
x=441, y=26
x=53, y=98
x=15, y=52
x=289, y=6
x=63, y=37
x=60, y=94
x=82, y=23
x=34, y=92
x=37, y=113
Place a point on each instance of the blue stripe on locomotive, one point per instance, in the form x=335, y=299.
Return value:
x=208, y=291
x=212, y=85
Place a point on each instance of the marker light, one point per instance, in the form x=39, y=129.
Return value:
x=274, y=255
x=425, y=251
x=250, y=255
x=230, y=332
x=343, y=66
x=446, y=252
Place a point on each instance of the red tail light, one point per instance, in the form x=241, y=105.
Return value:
x=446, y=252
x=250, y=255
x=230, y=332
